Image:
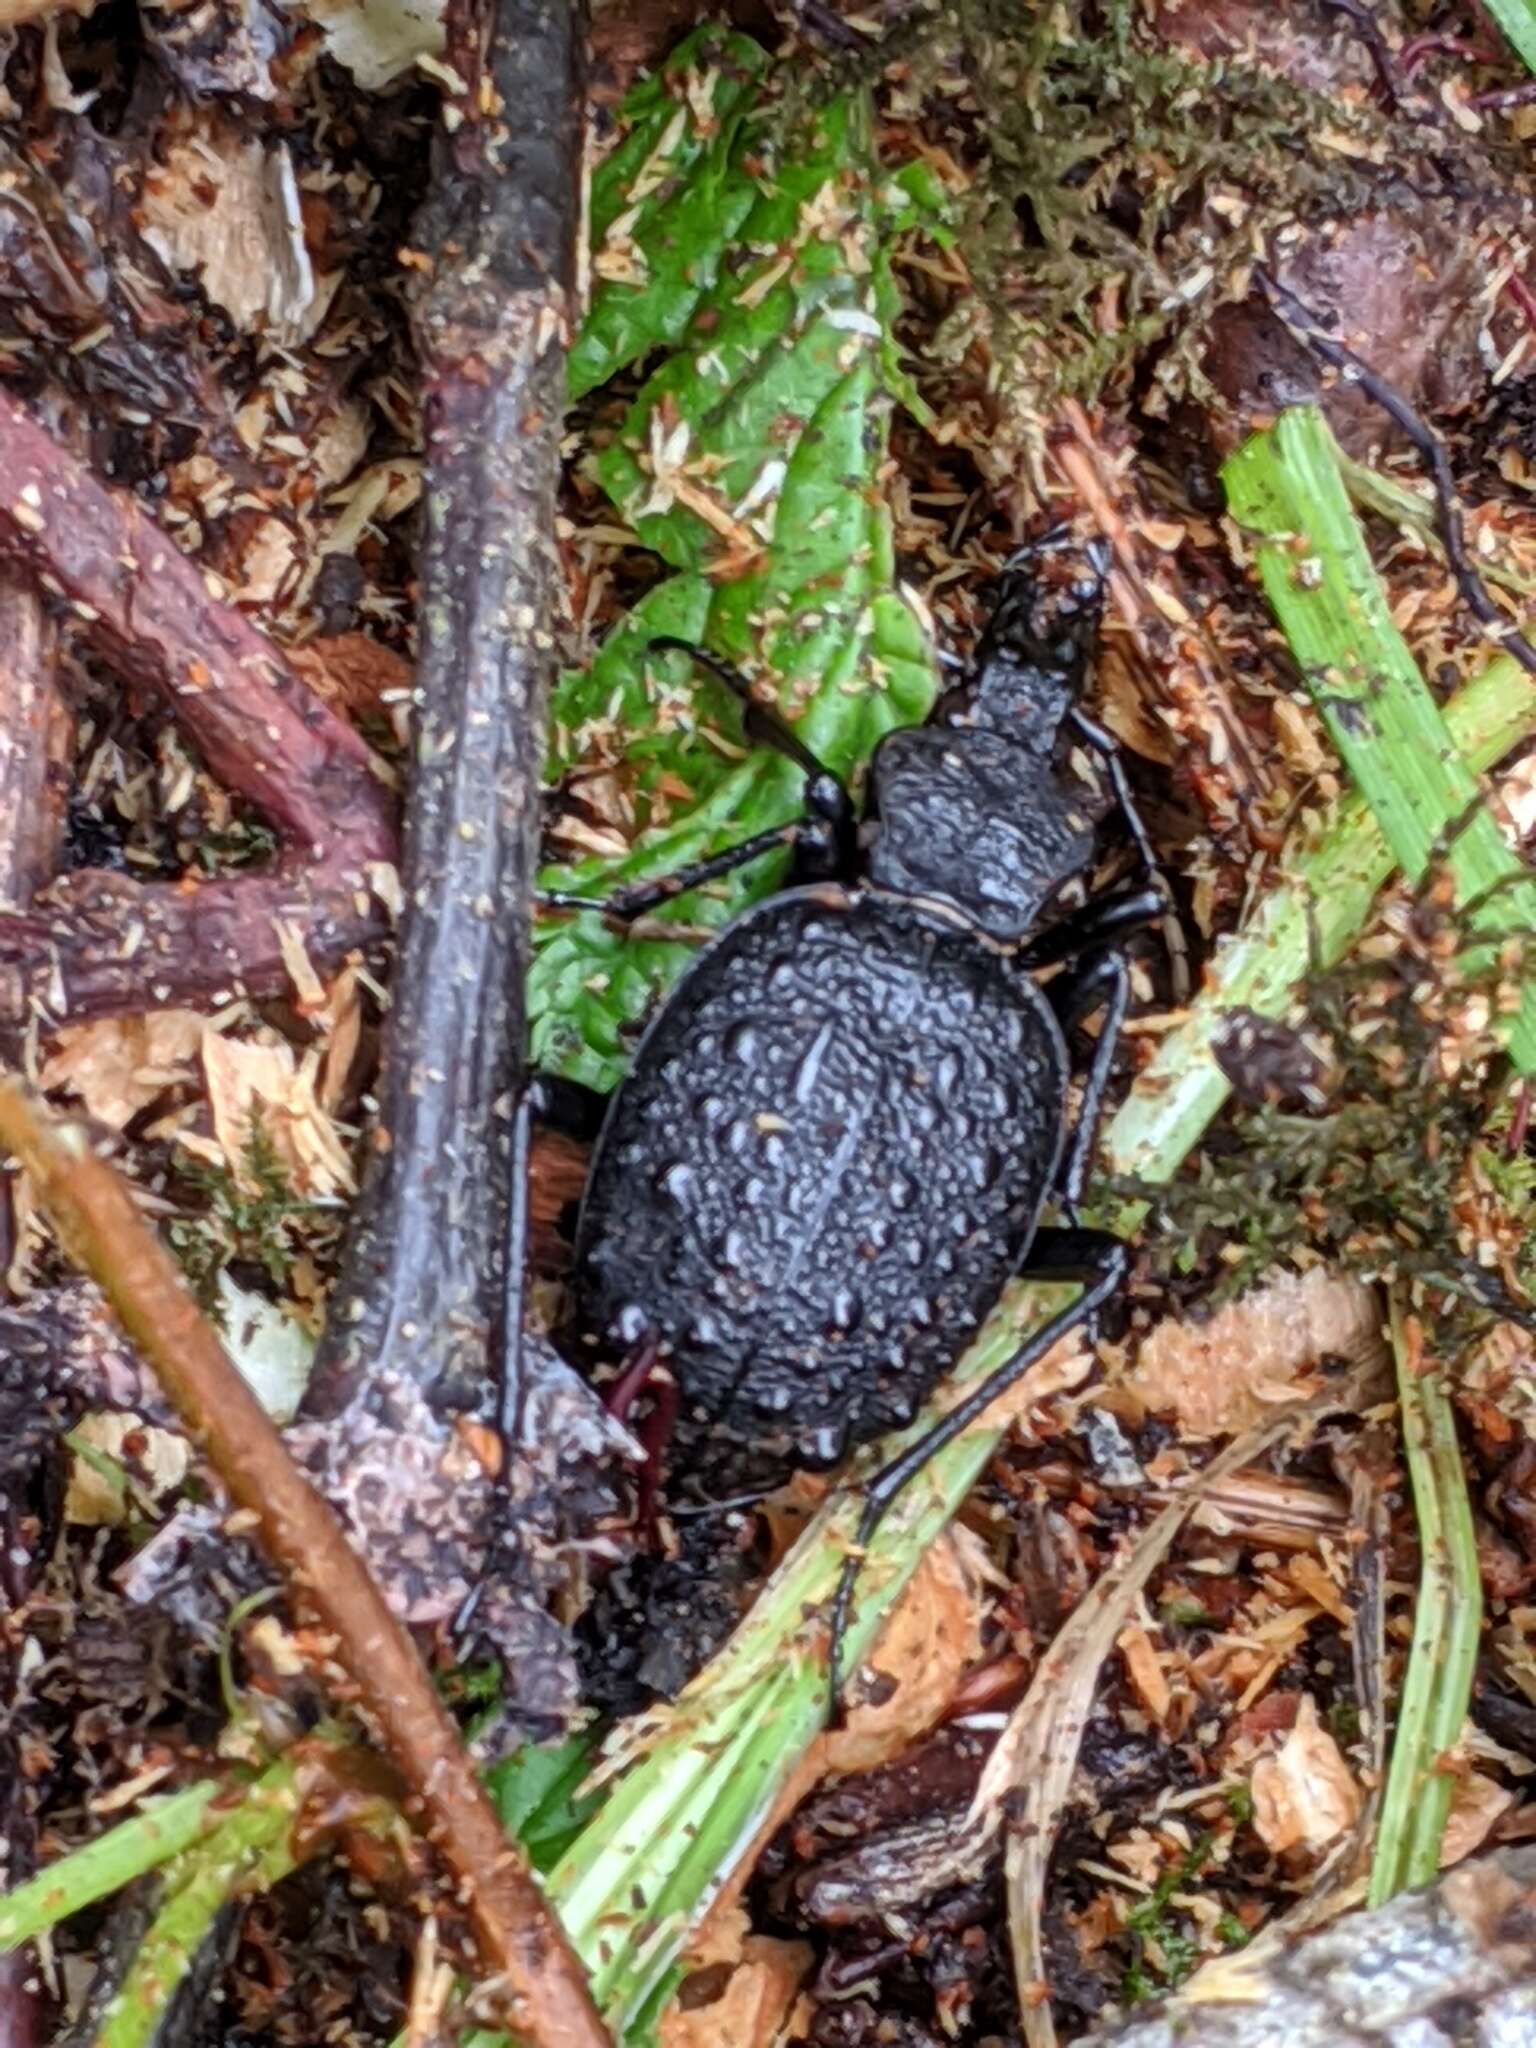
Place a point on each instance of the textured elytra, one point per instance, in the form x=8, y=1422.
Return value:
x=828, y=1159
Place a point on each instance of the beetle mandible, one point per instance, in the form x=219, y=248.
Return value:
x=839, y=1133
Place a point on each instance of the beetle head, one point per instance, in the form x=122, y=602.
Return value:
x=1035, y=651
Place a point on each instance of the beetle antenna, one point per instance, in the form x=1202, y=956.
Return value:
x=764, y=724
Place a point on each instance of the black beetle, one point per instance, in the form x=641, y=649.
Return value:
x=838, y=1135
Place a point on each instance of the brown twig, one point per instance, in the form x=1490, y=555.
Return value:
x=539, y=1986
x=98, y=942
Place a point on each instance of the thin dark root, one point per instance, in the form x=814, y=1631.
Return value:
x=831, y=27
x=1307, y=327
x=1368, y=30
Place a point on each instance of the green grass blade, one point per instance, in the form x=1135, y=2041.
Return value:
x=1284, y=485
x=104, y=1866
x=1517, y=18
x=1304, y=924
x=253, y=1849
x=1448, y=1612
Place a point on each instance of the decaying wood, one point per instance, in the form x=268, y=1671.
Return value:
x=97, y=942
x=424, y=1277
x=537, y=1985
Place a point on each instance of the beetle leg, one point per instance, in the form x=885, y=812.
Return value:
x=642, y=1370
x=1101, y=1263
x=1101, y=921
x=1107, y=747
x=638, y=899
x=1099, y=981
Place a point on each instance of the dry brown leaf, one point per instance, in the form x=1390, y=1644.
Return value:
x=1304, y=1796
x=352, y=670
x=929, y=1643
x=17, y=13
x=1227, y=1374
x=379, y=40
x=225, y=205
x=755, y=2001
x=1478, y=1804
x=264, y=1078
x=118, y=1065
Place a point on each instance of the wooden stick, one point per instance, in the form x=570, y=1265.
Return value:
x=538, y=1984
x=422, y=1294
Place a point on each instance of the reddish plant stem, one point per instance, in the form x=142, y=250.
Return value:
x=537, y=1983
x=100, y=943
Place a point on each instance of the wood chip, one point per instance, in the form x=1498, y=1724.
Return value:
x=1304, y=1796
x=266, y=1080
x=1225, y=1375
x=1145, y=1671
x=1478, y=1804
x=117, y=1066
x=758, y=1980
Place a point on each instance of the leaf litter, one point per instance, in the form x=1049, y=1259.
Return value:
x=1175, y=1699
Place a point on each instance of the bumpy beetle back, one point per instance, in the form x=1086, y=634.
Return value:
x=830, y=1156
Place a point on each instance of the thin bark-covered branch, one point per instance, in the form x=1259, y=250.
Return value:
x=539, y=1987
x=34, y=744
x=97, y=942
x=421, y=1295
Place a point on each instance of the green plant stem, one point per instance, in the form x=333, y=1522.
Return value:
x=104, y=1866
x=1304, y=924
x=1405, y=507
x=1442, y=1658
x=1285, y=486
x=256, y=1848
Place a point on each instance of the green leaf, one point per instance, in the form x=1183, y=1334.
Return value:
x=751, y=462
x=537, y=1794
x=667, y=202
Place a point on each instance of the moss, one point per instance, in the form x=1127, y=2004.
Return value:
x=251, y=1218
